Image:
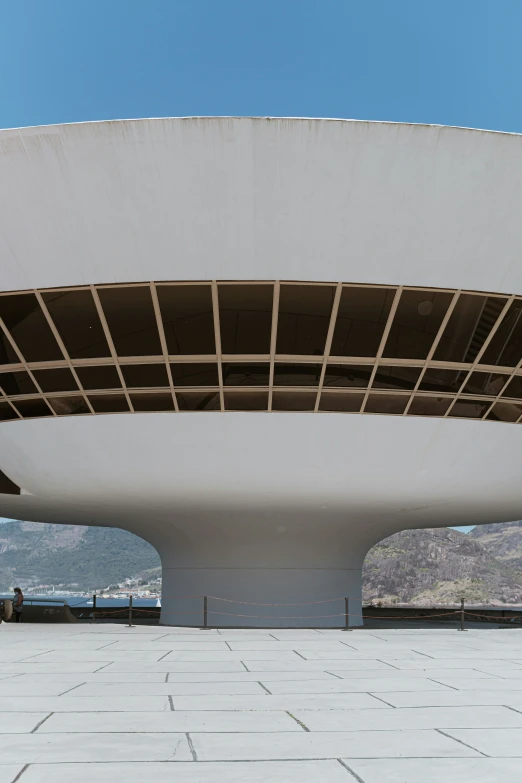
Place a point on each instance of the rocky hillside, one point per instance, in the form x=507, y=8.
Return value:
x=502, y=541
x=415, y=566
x=438, y=566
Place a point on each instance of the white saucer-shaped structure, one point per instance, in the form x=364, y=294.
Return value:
x=260, y=344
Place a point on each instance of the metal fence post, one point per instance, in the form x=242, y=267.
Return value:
x=94, y=608
x=205, y=612
x=462, y=615
x=130, y=610
x=347, y=615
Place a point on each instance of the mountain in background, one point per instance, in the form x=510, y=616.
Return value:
x=418, y=567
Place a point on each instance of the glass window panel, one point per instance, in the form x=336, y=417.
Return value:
x=60, y=379
x=30, y=409
x=469, y=409
x=396, y=377
x=514, y=387
x=354, y=375
x=304, y=318
x=386, y=403
x=160, y=401
x=416, y=323
x=188, y=318
x=109, y=403
x=485, y=383
x=28, y=326
x=468, y=327
x=69, y=406
x=132, y=322
x=195, y=374
x=246, y=401
x=293, y=401
x=343, y=403
x=102, y=377
x=505, y=348
x=297, y=374
x=18, y=382
x=6, y=412
x=245, y=318
x=361, y=319
x=75, y=316
x=142, y=375
x=429, y=406
x=246, y=374
x=438, y=380
x=505, y=411
x=199, y=401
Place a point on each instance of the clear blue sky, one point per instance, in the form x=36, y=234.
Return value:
x=454, y=62
x=450, y=62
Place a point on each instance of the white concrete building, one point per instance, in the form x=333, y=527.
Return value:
x=183, y=300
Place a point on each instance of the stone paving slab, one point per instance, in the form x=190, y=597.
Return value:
x=8, y=772
x=235, y=772
x=492, y=742
x=436, y=771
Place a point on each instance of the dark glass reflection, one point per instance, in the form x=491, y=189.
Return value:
x=188, y=319
x=194, y=374
x=109, y=403
x=31, y=409
x=6, y=412
x=514, y=387
x=469, y=409
x=361, y=319
x=505, y=411
x=293, y=401
x=132, y=322
x=75, y=316
x=100, y=377
x=343, y=403
x=505, y=348
x=198, y=401
x=396, y=377
x=246, y=374
x=468, y=327
x=143, y=375
x=245, y=317
x=386, y=403
x=349, y=375
x=438, y=380
x=297, y=374
x=18, y=382
x=429, y=406
x=28, y=326
x=485, y=383
x=69, y=406
x=304, y=318
x=59, y=379
x=246, y=401
x=159, y=401
x=415, y=324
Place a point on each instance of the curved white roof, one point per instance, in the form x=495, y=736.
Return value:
x=243, y=198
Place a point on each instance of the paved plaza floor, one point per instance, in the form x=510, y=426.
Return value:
x=150, y=704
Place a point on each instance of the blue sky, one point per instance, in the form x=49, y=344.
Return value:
x=450, y=62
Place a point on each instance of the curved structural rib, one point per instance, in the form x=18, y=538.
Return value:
x=232, y=268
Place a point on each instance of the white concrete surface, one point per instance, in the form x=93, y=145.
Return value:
x=410, y=716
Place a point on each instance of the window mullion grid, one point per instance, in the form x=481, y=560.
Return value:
x=217, y=335
x=478, y=357
x=112, y=349
x=273, y=341
x=382, y=344
x=328, y=344
x=4, y=398
x=433, y=348
x=25, y=366
x=503, y=389
x=163, y=341
x=62, y=347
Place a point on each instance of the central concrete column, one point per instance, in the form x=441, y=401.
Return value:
x=285, y=570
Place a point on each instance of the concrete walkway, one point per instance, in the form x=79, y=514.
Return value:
x=109, y=703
